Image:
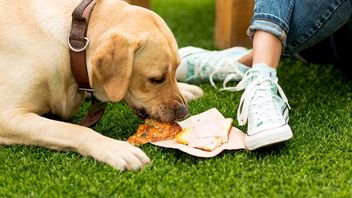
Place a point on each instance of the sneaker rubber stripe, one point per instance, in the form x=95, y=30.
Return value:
x=285, y=114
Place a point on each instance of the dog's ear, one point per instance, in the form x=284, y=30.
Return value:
x=113, y=64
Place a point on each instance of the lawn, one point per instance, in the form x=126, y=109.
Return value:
x=315, y=163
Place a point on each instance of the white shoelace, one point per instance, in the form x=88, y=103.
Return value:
x=225, y=65
x=266, y=107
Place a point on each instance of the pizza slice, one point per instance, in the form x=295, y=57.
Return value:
x=154, y=131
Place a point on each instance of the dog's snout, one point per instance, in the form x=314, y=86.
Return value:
x=141, y=113
x=182, y=112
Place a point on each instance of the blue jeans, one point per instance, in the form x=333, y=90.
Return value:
x=300, y=24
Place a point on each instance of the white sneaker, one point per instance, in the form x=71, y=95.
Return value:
x=199, y=65
x=266, y=112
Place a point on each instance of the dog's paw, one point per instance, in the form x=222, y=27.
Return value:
x=121, y=155
x=190, y=92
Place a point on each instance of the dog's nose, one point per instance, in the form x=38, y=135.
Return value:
x=182, y=112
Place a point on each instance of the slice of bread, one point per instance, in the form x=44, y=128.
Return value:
x=206, y=135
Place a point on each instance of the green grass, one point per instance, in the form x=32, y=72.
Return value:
x=315, y=163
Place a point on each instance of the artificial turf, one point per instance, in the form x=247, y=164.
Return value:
x=315, y=163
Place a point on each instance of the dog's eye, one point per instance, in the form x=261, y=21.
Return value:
x=157, y=80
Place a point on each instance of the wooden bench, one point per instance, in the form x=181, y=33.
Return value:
x=232, y=20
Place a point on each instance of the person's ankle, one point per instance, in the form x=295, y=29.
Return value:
x=263, y=65
x=265, y=70
x=247, y=60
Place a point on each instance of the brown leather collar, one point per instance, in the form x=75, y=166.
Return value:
x=78, y=43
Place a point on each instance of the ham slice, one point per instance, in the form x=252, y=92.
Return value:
x=206, y=135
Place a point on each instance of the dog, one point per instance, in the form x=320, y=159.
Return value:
x=132, y=57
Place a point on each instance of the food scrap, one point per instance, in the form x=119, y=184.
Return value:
x=154, y=131
x=206, y=136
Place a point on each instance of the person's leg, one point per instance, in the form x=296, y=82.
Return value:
x=306, y=30
x=247, y=59
x=267, y=49
x=265, y=111
x=263, y=104
x=323, y=20
x=268, y=29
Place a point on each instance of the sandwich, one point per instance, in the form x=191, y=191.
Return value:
x=206, y=135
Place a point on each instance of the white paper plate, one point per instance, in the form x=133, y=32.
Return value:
x=236, y=141
x=236, y=137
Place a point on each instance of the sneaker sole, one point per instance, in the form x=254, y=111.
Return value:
x=269, y=137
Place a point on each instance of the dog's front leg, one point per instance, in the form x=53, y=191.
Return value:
x=32, y=129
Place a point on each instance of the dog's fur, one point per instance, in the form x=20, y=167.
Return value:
x=132, y=56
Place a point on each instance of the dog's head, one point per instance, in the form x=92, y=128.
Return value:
x=135, y=60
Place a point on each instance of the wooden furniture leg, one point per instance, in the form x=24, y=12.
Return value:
x=232, y=20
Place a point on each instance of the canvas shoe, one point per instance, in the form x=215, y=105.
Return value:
x=265, y=111
x=199, y=65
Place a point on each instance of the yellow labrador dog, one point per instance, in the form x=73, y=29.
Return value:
x=132, y=57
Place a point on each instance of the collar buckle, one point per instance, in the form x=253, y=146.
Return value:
x=85, y=89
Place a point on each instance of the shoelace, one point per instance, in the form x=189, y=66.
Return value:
x=250, y=89
x=263, y=105
x=225, y=65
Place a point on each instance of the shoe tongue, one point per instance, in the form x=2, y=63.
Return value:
x=264, y=71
